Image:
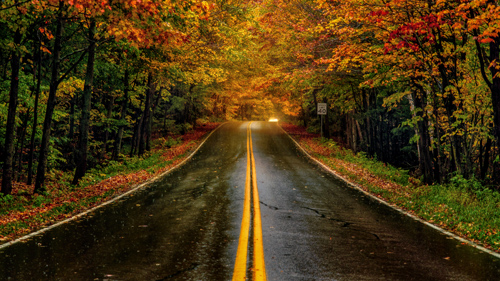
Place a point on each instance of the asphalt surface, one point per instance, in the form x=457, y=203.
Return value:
x=186, y=226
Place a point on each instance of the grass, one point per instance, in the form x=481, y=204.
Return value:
x=462, y=206
x=22, y=212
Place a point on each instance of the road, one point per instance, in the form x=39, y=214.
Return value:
x=190, y=225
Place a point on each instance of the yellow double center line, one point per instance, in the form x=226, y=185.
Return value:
x=251, y=194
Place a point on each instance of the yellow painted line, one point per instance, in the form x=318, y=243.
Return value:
x=240, y=266
x=259, y=267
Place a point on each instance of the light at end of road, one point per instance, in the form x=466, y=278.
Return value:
x=273, y=119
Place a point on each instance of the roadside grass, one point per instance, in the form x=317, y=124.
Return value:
x=462, y=206
x=22, y=212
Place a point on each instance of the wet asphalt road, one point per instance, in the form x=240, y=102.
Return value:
x=186, y=227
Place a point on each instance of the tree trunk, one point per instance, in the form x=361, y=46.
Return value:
x=109, y=108
x=154, y=106
x=51, y=103
x=303, y=113
x=82, y=149
x=360, y=132
x=35, y=116
x=438, y=175
x=485, y=163
x=368, y=127
x=20, y=141
x=351, y=131
x=123, y=114
x=424, y=139
x=136, y=138
x=73, y=101
x=11, y=118
x=138, y=115
x=495, y=85
x=150, y=117
x=145, y=129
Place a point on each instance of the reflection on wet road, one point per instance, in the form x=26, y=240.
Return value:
x=186, y=226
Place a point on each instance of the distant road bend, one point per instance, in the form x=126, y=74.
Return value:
x=248, y=206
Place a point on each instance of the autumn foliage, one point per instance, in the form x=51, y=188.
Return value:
x=24, y=213
x=415, y=84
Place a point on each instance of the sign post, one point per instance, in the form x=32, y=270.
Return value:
x=322, y=109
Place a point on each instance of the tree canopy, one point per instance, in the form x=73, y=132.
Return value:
x=415, y=84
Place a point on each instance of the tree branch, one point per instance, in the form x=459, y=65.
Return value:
x=481, y=60
x=15, y=5
x=72, y=67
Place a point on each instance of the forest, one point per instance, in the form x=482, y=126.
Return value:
x=415, y=84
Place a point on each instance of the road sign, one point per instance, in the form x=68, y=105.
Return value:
x=321, y=108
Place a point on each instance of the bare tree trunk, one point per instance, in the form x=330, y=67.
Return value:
x=35, y=116
x=20, y=141
x=51, y=103
x=145, y=130
x=82, y=150
x=71, y=133
x=352, y=132
x=485, y=163
x=11, y=119
x=303, y=113
x=123, y=114
x=424, y=139
x=109, y=108
x=135, y=138
x=149, y=124
x=360, y=133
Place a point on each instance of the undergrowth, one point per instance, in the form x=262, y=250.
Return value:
x=22, y=211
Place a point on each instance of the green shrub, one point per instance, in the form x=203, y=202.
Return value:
x=6, y=198
x=39, y=200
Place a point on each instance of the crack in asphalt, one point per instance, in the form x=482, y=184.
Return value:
x=342, y=222
x=269, y=206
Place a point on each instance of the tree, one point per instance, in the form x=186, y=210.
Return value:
x=82, y=149
x=54, y=83
x=11, y=118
